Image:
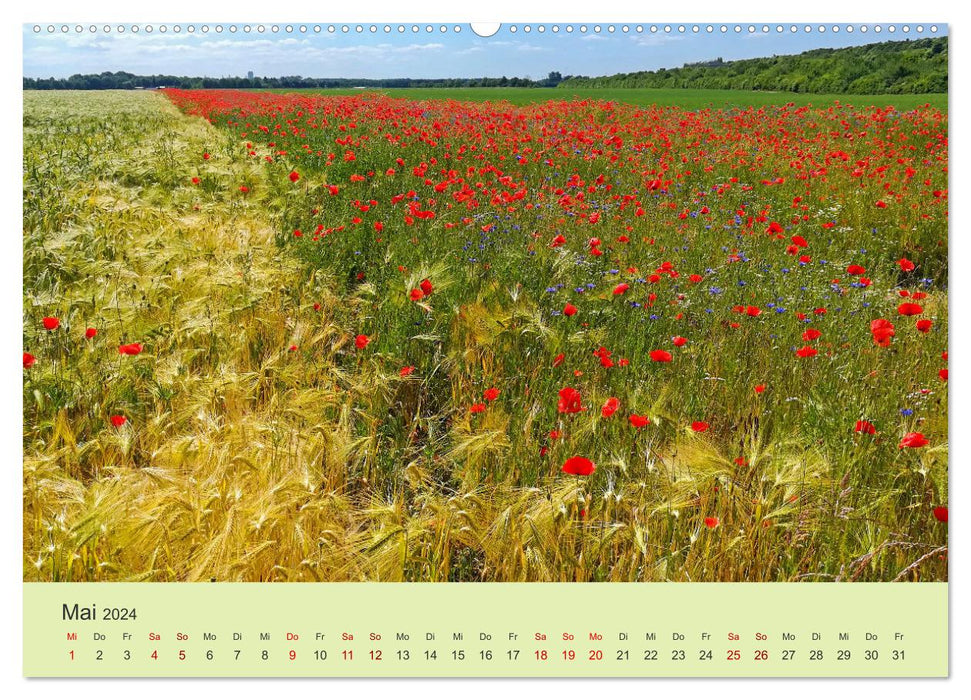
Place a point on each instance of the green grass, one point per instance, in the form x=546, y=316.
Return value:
x=685, y=99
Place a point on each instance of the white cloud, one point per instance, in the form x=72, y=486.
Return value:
x=212, y=55
x=655, y=39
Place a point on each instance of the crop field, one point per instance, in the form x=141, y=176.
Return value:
x=325, y=337
x=685, y=99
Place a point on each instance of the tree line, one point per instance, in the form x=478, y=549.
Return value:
x=885, y=68
x=122, y=80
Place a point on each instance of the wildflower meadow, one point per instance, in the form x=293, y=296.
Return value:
x=342, y=337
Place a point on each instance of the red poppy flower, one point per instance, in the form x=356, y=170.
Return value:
x=118, y=421
x=361, y=341
x=558, y=360
x=940, y=513
x=924, y=325
x=569, y=401
x=50, y=323
x=806, y=351
x=855, y=270
x=660, y=356
x=882, y=330
x=610, y=407
x=195, y=181
x=491, y=394
x=639, y=421
x=416, y=294
x=294, y=176
x=759, y=388
x=130, y=349
x=477, y=408
x=621, y=288
x=866, y=427
x=578, y=466
x=29, y=360
x=569, y=309
x=811, y=334
x=90, y=333
x=244, y=189
x=905, y=264
x=406, y=370
x=699, y=426
x=799, y=241
x=678, y=341
x=881, y=204
x=913, y=440
x=943, y=374
x=426, y=287
x=908, y=309
x=753, y=310
x=711, y=523
x=604, y=355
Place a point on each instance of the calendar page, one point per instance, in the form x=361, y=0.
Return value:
x=546, y=349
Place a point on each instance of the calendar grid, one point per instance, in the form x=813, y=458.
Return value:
x=474, y=630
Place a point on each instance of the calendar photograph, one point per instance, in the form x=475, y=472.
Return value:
x=449, y=350
x=521, y=303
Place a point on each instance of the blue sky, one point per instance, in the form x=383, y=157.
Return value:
x=419, y=54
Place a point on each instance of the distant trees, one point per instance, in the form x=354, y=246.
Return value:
x=891, y=67
x=122, y=80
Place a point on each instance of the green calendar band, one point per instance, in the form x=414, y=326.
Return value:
x=486, y=630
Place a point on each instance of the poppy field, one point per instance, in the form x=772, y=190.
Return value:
x=320, y=337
